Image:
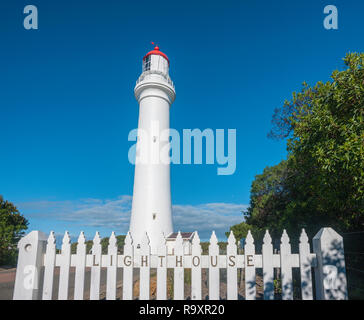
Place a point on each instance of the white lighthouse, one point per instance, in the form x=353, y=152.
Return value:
x=151, y=208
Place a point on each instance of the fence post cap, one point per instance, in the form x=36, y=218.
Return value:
x=32, y=237
x=327, y=233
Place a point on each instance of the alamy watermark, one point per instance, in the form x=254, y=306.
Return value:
x=331, y=20
x=155, y=146
x=31, y=20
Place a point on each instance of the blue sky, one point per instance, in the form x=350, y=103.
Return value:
x=67, y=103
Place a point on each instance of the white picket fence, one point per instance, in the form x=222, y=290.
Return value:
x=38, y=259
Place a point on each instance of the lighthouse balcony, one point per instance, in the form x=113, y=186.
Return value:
x=152, y=75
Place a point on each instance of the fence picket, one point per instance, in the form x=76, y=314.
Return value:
x=162, y=268
x=286, y=268
x=214, y=270
x=144, y=268
x=112, y=252
x=128, y=268
x=178, y=278
x=330, y=269
x=49, y=261
x=64, y=271
x=249, y=258
x=231, y=268
x=38, y=253
x=96, y=268
x=268, y=277
x=305, y=267
x=80, y=267
x=196, y=268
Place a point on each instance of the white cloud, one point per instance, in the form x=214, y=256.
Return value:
x=207, y=217
x=114, y=214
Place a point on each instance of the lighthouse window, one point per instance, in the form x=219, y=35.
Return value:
x=147, y=63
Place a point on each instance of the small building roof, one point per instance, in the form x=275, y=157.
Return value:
x=185, y=235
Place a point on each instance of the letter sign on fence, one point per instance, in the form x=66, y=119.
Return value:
x=38, y=259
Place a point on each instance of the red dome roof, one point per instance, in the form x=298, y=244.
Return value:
x=157, y=52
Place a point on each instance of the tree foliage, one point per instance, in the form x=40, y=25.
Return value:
x=322, y=181
x=240, y=230
x=12, y=226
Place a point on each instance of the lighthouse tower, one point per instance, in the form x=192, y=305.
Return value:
x=151, y=207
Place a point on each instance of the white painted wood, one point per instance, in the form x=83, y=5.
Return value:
x=112, y=253
x=268, y=276
x=49, y=263
x=178, y=279
x=28, y=276
x=196, y=268
x=286, y=268
x=80, y=264
x=232, y=271
x=250, y=277
x=128, y=268
x=305, y=267
x=161, y=267
x=96, y=268
x=35, y=253
x=330, y=273
x=214, y=271
x=144, y=268
x=64, y=271
x=240, y=260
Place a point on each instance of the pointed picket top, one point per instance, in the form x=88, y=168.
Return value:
x=196, y=246
x=128, y=239
x=178, y=246
x=81, y=246
x=303, y=237
x=231, y=248
x=196, y=239
x=213, y=239
x=145, y=240
x=145, y=248
x=81, y=238
x=179, y=240
x=328, y=234
x=161, y=240
x=66, y=238
x=112, y=239
x=51, y=238
x=231, y=239
x=285, y=238
x=97, y=239
x=249, y=239
x=267, y=238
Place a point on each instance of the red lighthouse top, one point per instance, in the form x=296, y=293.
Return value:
x=157, y=52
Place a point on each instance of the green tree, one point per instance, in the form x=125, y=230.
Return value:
x=326, y=148
x=12, y=226
x=240, y=230
x=269, y=197
x=322, y=181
